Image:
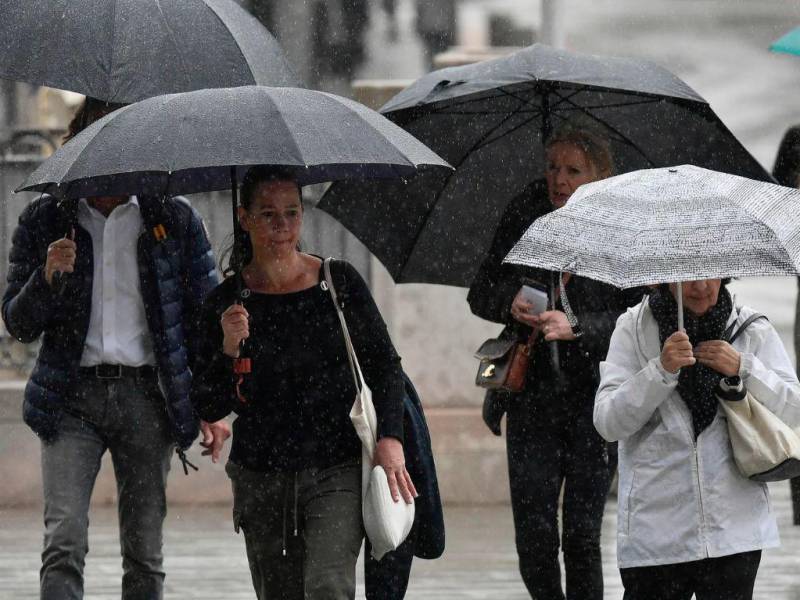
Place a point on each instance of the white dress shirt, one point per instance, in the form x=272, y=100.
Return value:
x=118, y=332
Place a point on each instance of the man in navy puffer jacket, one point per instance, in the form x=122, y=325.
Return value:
x=114, y=369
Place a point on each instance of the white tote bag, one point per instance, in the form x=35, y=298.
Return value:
x=386, y=522
x=764, y=447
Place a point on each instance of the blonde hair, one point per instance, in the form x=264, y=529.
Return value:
x=593, y=144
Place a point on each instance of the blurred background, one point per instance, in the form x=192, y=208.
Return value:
x=369, y=50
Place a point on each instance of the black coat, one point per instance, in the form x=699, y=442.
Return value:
x=596, y=306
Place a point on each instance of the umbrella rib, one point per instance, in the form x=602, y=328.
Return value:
x=516, y=127
x=235, y=41
x=620, y=104
x=172, y=37
x=482, y=95
x=621, y=136
x=452, y=173
x=113, y=46
x=480, y=112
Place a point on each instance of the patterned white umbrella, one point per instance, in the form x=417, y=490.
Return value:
x=668, y=225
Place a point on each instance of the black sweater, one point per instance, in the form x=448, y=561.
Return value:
x=301, y=389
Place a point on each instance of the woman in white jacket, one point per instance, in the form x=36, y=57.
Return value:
x=689, y=522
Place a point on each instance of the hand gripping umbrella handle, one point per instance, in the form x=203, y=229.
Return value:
x=59, y=278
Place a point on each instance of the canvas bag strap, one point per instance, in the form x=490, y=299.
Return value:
x=355, y=368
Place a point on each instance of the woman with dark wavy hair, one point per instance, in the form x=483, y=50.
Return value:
x=295, y=458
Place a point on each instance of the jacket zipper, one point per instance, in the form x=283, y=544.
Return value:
x=695, y=444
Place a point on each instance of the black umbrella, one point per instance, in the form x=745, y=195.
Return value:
x=126, y=50
x=489, y=120
x=207, y=140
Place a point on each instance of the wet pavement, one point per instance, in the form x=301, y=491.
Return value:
x=206, y=560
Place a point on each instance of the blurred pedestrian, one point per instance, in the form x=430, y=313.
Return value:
x=551, y=440
x=390, y=10
x=114, y=368
x=295, y=458
x=436, y=25
x=689, y=522
x=787, y=172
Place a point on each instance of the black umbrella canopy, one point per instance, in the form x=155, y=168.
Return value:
x=188, y=143
x=127, y=50
x=489, y=120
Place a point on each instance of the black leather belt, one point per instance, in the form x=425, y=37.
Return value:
x=105, y=371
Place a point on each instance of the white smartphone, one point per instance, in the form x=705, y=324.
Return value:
x=535, y=296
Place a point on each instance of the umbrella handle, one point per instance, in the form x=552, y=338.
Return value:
x=679, y=299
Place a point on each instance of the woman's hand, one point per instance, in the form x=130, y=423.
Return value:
x=520, y=310
x=389, y=455
x=555, y=326
x=677, y=352
x=720, y=356
x=235, y=327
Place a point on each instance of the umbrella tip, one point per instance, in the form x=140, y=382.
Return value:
x=673, y=170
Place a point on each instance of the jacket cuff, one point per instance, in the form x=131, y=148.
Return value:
x=391, y=424
x=745, y=365
x=732, y=393
x=38, y=286
x=387, y=430
x=666, y=377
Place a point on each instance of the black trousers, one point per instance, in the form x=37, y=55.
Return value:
x=552, y=443
x=724, y=578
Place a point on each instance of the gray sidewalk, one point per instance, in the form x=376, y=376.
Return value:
x=205, y=560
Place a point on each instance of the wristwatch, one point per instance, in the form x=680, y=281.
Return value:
x=732, y=382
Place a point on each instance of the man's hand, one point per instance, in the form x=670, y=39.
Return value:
x=677, y=352
x=60, y=258
x=214, y=436
x=389, y=455
x=720, y=356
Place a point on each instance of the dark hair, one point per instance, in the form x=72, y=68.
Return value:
x=90, y=110
x=664, y=287
x=239, y=250
x=585, y=136
x=787, y=164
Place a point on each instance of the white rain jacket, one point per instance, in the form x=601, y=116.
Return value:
x=679, y=500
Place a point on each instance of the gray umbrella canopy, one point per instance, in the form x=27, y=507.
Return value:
x=126, y=50
x=668, y=225
x=490, y=120
x=188, y=143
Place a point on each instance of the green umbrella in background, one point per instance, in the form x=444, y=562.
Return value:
x=789, y=43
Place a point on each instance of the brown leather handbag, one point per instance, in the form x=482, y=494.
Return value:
x=503, y=363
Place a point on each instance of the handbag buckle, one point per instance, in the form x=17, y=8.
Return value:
x=489, y=371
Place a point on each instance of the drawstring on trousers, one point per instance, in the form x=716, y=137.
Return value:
x=286, y=489
x=295, y=504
